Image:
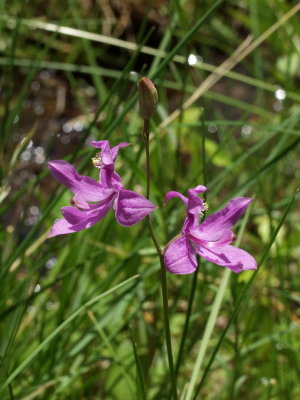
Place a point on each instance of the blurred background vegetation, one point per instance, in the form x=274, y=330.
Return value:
x=69, y=72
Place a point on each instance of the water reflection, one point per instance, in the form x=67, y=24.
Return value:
x=133, y=74
x=39, y=109
x=277, y=106
x=37, y=288
x=65, y=139
x=35, y=85
x=50, y=263
x=67, y=127
x=212, y=128
x=26, y=155
x=194, y=59
x=26, y=104
x=50, y=305
x=280, y=94
x=33, y=215
x=246, y=130
x=39, y=155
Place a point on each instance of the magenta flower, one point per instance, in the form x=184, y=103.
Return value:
x=211, y=239
x=92, y=200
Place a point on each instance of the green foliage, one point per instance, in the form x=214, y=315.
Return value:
x=81, y=315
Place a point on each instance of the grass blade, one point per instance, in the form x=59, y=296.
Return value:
x=45, y=343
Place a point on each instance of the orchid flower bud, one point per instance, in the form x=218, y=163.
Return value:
x=147, y=98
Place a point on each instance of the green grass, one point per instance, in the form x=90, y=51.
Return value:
x=81, y=315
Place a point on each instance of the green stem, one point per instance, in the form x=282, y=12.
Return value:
x=187, y=321
x=207, y=333
x=146, y=133
x=163, y=275
x=195, y=276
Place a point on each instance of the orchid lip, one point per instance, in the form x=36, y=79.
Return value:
x=202, y=241
x=212, y=243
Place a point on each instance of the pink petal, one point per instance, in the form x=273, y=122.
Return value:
x=110, y=179
x=131, y=207
x=75, y=216
x=195, y=204
x=179, y=257
x=228, y=256
x=60, y=227
x=194, y=208
x=211, y=238
x=115, y=150
x=228, y=216
x=173, y=194
x=108, y=154
x=77, y=220
x=198, y=189
x=101, y=144
x=82, y=186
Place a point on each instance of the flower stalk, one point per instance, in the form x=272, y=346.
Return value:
x=163, y=276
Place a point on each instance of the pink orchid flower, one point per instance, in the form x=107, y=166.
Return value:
x=211, y=239
x=92, y=200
